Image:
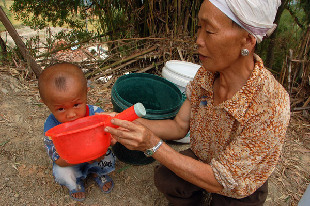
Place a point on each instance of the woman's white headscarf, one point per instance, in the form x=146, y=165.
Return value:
x=255, y=16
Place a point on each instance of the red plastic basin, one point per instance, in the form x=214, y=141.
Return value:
x=81, y=140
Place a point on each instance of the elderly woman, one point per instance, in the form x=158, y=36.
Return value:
x=236, y=111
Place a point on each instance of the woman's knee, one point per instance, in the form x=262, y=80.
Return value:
x=161, y=178
x=168, y=182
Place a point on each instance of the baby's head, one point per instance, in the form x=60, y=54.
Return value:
x=63, y=89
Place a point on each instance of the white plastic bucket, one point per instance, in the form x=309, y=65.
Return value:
x=180, y=72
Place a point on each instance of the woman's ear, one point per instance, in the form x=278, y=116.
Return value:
x=88, y=88
x=250, y=42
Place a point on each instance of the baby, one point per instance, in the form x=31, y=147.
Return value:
x=63, y=89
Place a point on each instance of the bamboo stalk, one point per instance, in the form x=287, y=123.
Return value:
x=180, y=53
x=148, y=68
x=179, y=22
x=283, y=72
x=304, y=43
x=300, y=61
x=106, y=72
x=306, y=102
x=289, y=67
x=88, y=54
x=121, y=61
x=300, y=108
x=105, y=42
x=186, y=16
x=167, y=17
x=175, y=16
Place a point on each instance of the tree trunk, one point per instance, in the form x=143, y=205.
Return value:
x=4, y=52
x=18, y=41
x=270, y=52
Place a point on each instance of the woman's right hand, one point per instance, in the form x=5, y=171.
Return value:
x=112, y=114
x=133, y=135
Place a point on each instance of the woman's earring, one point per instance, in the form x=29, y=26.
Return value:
x=245, y=52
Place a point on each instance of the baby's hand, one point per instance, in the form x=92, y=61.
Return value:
x=112, y=114
x=113, y=141
x=96, y=160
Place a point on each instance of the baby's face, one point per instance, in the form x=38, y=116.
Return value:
x=68, y=105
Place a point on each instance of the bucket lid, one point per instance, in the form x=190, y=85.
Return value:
x=183, y=68
x=127, y=91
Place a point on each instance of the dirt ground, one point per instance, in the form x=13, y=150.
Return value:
x=25, y=169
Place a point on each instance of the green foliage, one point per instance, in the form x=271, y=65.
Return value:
x=73, y=35
x=47, y=12
x=305, y=5
x=118, y=18
x=289, y=34
x=290, y=31
x=4, y=6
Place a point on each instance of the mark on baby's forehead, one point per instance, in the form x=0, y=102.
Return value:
x=60, y=82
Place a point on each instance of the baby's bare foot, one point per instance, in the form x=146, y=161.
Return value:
x=107, y=186
x=105, y=183
x=78, y=195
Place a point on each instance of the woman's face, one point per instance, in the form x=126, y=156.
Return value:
x=219, y=42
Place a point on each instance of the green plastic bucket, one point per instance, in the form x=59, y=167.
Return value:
x=161, y=99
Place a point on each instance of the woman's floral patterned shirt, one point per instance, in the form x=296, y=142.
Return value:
x=242, y=137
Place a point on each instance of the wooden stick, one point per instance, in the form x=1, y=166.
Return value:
x=120, y=67
x=300, y=108
x=180, y=53
x=306, y=102
x=146, y=69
